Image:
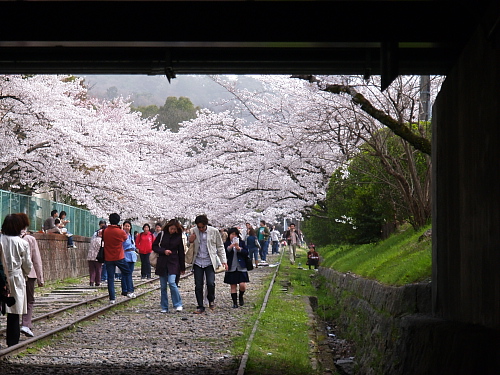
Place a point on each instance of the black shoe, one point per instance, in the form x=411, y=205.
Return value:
x=211, y=305
x=199, y=310
x=235, y=306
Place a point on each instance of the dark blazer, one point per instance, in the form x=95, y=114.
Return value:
x=174, y=262
x=241, y=255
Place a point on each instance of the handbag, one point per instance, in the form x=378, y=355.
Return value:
x=188, y=257
x=248, y=263
x=257, y=243
x=220, y=269
x=153, y=257
x=100, y=253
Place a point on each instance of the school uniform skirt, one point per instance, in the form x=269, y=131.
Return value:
x=236, y=277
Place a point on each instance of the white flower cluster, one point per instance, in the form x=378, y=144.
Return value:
x=270, y=155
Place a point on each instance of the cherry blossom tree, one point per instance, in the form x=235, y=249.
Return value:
x=54, y=137
x=258, y=160
x=273, y=153
x=269, y=154
x=408, y=163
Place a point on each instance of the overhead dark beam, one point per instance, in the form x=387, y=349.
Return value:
x=184, y=37
x=389, y=63
x=214, y=61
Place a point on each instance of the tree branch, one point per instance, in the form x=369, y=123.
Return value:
x=420, y=143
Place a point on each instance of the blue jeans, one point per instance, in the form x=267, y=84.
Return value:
x=254, y=254
x=125, y=270
x=70, y=241
x=276, y=247
x=104, y=273
x=169, y=280
x=199, y=273
x=128, y=285
x=263, y=249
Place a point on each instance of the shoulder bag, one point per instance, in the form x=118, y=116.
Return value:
x=100, y=253
x=153, y=257
x=248, y=262
x=189, y=255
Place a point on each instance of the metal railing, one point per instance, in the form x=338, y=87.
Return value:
x=82, y=222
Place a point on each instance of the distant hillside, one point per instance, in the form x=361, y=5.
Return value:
x=146, y=90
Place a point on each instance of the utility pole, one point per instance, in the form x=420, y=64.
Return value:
x=425, y=98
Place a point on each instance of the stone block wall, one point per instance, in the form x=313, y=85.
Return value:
x=395, y=332
x=59, y=262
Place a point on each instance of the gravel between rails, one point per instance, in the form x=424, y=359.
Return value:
x=138, y=338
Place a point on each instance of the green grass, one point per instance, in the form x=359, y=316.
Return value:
x=281, y=343
x=399, y=260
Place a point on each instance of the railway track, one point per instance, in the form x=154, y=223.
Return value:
x=81, y=303
x=69, y=305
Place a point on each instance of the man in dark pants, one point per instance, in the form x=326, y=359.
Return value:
x=263, y=237
x=207, y=246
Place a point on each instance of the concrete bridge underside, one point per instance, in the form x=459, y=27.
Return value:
x=458, y=38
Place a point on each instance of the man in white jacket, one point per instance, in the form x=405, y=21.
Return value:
x=207, y=246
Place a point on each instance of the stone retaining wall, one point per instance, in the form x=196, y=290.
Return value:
x=59, y=262
x=395, y=332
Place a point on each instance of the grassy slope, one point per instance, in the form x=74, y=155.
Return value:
x=399, y=260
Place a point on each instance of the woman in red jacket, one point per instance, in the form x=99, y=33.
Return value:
x=144, y=242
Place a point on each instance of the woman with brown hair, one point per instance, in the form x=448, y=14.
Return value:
x=17, y=265
x=170, y=264
x=253, y=246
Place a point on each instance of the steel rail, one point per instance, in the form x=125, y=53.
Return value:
x=244, y=358
x=14, y=349
x=89, y=301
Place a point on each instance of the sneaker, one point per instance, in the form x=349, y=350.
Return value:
x=112, y=301
x=27, y=332
x=178, y=308
x=164, y=311
x=131, y=295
